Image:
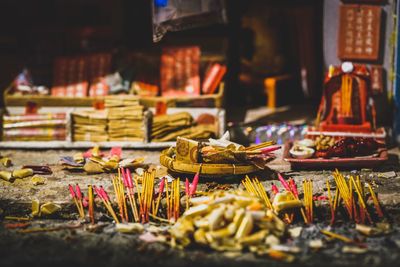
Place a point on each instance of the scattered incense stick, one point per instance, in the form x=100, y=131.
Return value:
x=337, y=236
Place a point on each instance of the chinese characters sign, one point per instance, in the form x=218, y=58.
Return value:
x=359, y=32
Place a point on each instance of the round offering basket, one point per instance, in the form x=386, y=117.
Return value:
x=206, y=169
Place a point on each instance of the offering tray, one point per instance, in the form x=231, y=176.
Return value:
x=206, y=169
x=371, y=161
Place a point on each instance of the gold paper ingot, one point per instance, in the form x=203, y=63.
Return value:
x=245, y=227
x=96, y=152
x=254, y=239
x=111, y=165
x=35, y=207
x=200, y=236
x=78, y=158
x=285, y=200
x=49, y=208
x=38, y=180
x=187, y=150
x=7, y=176
x=6, y=162
x=92, y=167
x=22, y=173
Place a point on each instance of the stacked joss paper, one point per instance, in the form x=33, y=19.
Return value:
x=35, y=127
x=168, y=127
x=90, y=125
x=125, y=118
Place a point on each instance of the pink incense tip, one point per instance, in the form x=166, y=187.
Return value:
x=98, y=192
x=85, y=202
x=193, y=187
x=293, y=187
x=283, y=182
x=128, y=176
x=162, y=185
x=270, y=149
x=124, y=178
x=71, y=190
x=78, y=191
x=275, y=189
x=104, y=193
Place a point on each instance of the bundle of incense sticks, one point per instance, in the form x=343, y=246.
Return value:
x=260, y=146
x=308, y=199
x=77, y=197
x=254, y=187
x=128, y=183
x=146, y=196
x=119, y=192
x=291, y=188
x=351, y=191
x=102, y=194
x=173, y=200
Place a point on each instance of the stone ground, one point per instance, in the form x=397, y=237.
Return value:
x=75, y=247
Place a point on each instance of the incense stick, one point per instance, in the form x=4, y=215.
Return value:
x=376, y=201
x=91, y=203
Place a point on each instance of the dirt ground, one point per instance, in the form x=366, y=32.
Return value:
x=78, y=247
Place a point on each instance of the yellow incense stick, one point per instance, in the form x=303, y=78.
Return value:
x=91, y=203
x=376, y=201
x=337, y=236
